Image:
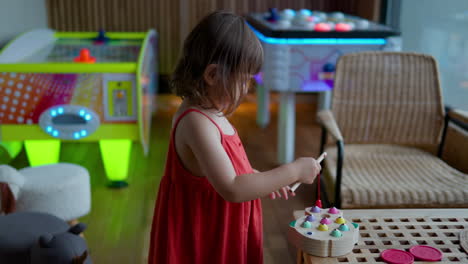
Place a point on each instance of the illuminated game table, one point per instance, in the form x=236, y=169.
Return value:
x=50, y=92
x=300, y=50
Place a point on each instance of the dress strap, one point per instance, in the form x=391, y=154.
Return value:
x=198, y=111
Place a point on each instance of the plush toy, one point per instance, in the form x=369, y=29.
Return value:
x=39, y=238
x=67, y=247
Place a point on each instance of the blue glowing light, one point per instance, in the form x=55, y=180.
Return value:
x=49, y=129
x=88, y=117
x=76, y=135
x=60, y=110
x=83, y=133
x=82, y=112
x=55, y=133
x=319, y=41
x=53, y=113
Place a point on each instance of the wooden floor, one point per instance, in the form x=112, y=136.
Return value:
x=119, y=222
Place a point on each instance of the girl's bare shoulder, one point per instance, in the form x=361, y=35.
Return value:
x=193, y=123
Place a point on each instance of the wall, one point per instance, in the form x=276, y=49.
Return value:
x=440, y=28
x=18, y=16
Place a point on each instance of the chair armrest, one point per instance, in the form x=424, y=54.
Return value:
x=327, y=120
x=459, y=118
x=456, y=117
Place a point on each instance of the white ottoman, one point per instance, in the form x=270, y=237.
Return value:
x=59, y=189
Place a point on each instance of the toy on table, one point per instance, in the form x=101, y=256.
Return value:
x=397, y=256
x=343, y=27
x=106, y=94
x=323, y=232
x=419, y=252
x=273, y=15
x=323, y=27
x=85, y=57
x=101, y=38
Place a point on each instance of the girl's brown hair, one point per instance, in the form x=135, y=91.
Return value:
x=224, y=39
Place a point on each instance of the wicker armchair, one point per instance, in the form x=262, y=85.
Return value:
x=387, y=107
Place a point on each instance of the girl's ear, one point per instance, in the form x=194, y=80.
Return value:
x=210, y=74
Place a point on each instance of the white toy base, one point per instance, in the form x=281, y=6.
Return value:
x=322, y=243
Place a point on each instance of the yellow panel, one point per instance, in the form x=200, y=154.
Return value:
x=117, y=89
x=69, y=67
x=105, y=131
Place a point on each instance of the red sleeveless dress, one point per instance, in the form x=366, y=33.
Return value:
x=193, y=224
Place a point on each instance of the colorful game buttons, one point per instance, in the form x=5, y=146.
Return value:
x=322, y=27
x=397, y=256
x=326, y=221
x=306, y=224
x=343, y=227
x=340, y=220
x=343, y=27
x=333, y=210
x=322, y=227
x=293, y=223
x=336, y=233
x=426, y=253
x=287, y=14
x=311, y=218
x=316, y=209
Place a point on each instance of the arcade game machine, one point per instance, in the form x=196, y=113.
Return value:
x=78, y=86
x=301, y=49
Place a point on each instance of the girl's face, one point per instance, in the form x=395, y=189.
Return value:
x=241, y=88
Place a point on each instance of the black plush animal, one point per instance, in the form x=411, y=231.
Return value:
x=38, y=238
x=67, y=247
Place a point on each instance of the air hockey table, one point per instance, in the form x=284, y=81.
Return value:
x=78, y=86
x=300, y=52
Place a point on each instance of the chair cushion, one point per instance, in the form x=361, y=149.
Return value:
x=396, y=176
x=60, y=189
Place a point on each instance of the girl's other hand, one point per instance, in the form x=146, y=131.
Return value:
x=285, y=191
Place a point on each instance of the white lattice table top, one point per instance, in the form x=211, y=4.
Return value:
x=401, y=229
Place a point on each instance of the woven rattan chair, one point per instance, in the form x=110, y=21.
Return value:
x=387, y=107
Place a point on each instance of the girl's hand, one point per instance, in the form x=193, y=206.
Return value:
x=284, y=191
x=308, y=169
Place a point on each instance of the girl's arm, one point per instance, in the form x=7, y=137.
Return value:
x=283, y=192
x=204, y=140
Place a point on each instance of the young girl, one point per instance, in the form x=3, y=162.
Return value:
x=208, y=208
